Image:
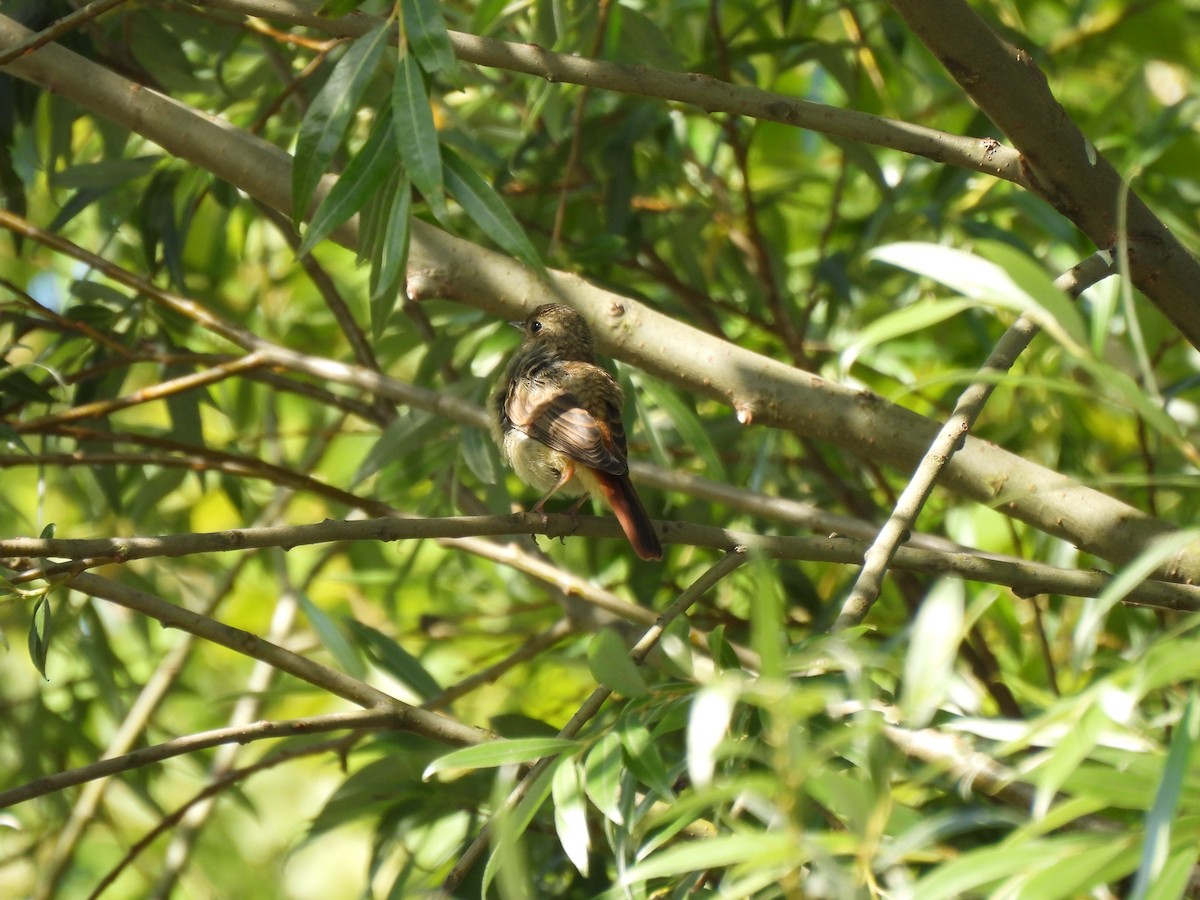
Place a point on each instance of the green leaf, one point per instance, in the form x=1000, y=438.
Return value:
x=498, y=753
x=104, y=176
x=388, y=268
x=708, y=723
x=428, y=37
x=645, y=760
x=9, y=437
x=416, y=133
x=686, y=422
x=487, y=210
x=989, y=282
x=361, y=179
x=608, y=659
x=603, y=777
x=40, y=631
x=332, y=638
x=570, y=814
x=1072, y=748
x=754, y=848
x=184, y=408
x=507, y=860
x=327, y=118
x=480, y=454
x=1157, y=845
x=932, y=649
x=395, y=660
x=911, y=319
x=1086, y=632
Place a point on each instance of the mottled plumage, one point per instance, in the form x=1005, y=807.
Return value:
x=556, y=416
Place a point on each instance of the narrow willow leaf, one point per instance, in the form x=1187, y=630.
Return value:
x=1157, y=845
x=487, y=210
x=1086, y=632
x=686, y=422
x=498, y=753
x=1071, y=749
x=327, y=118
x=751, y=848
x=480, y=455
x=332, y=639
x=361, y=179
x=608, y=658
x=911, y=319
x=603, y=777
x=388, y=269
x=570, y=814
x=708, y=723
x=645, y=759
x=985, y=281
x=508, y=862
x=416, y=133
x=427, y=35
x=931, y=652
x=40, y=630
x=395, y=660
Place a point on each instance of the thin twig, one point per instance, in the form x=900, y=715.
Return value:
x=374, y=718
x=419, y=721
x=703, y=91
x=949, y=438
x=1024, y=577
x=591, y=706
x=67, y=23
x=338, y=746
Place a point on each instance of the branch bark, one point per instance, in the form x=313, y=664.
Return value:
x=761, y=390
x=1065, y=168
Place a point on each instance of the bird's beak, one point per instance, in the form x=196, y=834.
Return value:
x=517, y=325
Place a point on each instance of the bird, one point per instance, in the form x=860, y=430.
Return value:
x=556, y=416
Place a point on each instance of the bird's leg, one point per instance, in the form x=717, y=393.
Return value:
x=563, y=477
x=573, y=512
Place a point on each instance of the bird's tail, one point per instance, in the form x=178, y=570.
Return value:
x=617, y=491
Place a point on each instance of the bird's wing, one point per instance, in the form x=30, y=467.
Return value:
x=559, y=419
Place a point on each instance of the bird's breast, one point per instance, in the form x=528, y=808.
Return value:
x=537, y=465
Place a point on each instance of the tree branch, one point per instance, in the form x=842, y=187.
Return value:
x=710, y=94
x=1065, y=168
x=761, y=390
x=410, y=718
x=1024, y=577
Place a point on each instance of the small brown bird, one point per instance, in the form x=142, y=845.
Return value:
x=557, y=419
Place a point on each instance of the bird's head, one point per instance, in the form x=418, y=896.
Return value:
x=559, y=330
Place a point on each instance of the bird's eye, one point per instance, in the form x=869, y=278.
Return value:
x=535, y=326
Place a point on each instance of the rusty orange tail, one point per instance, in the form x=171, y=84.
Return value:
x=619, y=495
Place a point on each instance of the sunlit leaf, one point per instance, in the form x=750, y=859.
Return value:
x=603, y=777
x=332, y=638
x=608, y=658
x=570, y=814
x=487, y=210
x=40, y=632
x=498, y=753
x=363, y=175
x=425, y=27
x=932, y=649
x=416, y=134
x=329, y=115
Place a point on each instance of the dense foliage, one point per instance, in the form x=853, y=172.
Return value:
x=238, y=359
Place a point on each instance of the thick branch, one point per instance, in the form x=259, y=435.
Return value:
x=760, y=389
x=1064, y=166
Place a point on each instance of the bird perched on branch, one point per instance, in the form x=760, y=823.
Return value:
x=556, y=416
